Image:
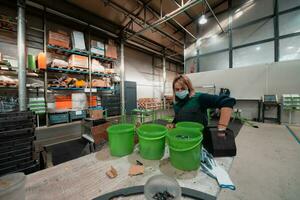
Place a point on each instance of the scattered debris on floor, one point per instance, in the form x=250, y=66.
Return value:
x=112, y=172
x=136, y=170
x=138, y=162
x=163, y=196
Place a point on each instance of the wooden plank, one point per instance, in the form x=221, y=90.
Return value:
x=84, y=178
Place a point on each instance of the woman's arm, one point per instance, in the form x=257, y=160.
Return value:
x=225, y=114
x=224, y=103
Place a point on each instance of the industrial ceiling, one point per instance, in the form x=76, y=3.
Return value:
x=160, y=26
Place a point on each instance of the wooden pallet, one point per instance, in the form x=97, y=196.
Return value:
x=7, y=84
x=6, y=68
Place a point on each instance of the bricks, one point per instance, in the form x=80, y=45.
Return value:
x=150, y=103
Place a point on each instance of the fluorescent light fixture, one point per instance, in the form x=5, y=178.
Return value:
x=202, y=20
x=290, y=47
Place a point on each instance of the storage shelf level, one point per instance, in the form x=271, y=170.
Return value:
x=79, y=89
x=77, y=71
x=82, y=53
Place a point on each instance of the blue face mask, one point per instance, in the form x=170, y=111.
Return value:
x=182, y=94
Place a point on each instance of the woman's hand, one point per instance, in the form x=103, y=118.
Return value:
x=169, y=126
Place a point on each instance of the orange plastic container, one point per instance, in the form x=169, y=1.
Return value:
x=42, y=61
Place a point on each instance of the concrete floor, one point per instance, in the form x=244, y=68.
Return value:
x=266, y=166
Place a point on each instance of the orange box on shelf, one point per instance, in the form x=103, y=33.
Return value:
x=78, y=61
x=63, y=102
x=60, y=39
x=98, y=83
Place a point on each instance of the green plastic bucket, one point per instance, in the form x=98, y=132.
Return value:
x=191, y=125
x=185, y=148
x=121, y=139
x=152, y=141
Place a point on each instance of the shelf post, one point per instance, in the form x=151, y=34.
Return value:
x=164, y=81
x=90, y=64
x=21, y=56
x=45, y=73
x=122, y=71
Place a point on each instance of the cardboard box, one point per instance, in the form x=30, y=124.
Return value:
x=99, y=132
x=96, y=114
x=60, y=39
x=98, y=83
x=78, y=61
x=96, y=66
x=111, y=50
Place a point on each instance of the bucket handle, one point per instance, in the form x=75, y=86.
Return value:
x=186, y=149
x=157, y=138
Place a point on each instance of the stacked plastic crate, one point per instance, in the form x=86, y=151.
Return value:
x=17, y=135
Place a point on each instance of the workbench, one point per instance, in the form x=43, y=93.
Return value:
x=85, y=178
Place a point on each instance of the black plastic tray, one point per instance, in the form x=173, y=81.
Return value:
x=16, y=134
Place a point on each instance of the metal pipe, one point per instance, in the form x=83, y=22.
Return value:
x=152, y=50
x=45, y=51
x=21, y=56
x=168, y=16
x=90, y=65
x=155, y=13
x=164, y=82
x=213, y=13
x=122, y=76
x=184, y=29
x=161, y=13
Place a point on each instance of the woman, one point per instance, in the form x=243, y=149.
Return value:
x=192, y=106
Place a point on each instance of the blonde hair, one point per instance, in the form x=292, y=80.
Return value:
x=185, y=82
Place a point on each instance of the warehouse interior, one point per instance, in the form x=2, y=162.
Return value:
x=93, y=102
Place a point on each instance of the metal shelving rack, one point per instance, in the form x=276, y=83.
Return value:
x=63, y=51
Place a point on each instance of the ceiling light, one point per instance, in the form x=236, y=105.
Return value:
x=257, y=48
x=290, y=47
x=202, y=20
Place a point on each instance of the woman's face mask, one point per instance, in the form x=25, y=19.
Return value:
x=182, y=94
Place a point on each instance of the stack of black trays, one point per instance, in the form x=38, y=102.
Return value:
x=17, y=143
x=112, y=103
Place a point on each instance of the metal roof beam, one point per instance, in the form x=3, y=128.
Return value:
x=185, y=12
x=140, y=22
x=169, y=16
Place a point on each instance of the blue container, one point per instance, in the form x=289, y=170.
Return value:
x=56, y=118
x=75, y=115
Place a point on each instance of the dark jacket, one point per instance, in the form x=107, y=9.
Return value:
x=195, y=108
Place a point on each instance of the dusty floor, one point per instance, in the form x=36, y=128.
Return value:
x=266, y=166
